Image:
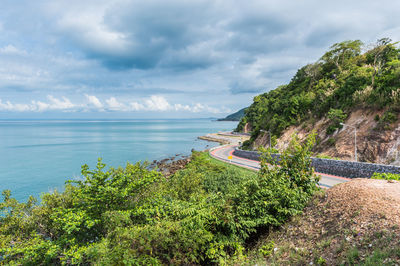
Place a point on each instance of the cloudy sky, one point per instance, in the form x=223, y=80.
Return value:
x=167, y=58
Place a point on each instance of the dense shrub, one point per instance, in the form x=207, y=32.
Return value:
x=386, y=176
x=202, y=214
x=331, y=141
x=246, y=145
x=386, y=120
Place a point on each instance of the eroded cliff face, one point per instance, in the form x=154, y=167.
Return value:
x=373, y=144
x=247, y=128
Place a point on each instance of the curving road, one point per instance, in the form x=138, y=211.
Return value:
x=222, y=152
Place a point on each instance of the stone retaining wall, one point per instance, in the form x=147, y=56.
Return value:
x=334, y=167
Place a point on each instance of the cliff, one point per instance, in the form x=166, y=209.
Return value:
x=374, y=144
x=345, y=86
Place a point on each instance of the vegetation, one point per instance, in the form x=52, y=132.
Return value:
x=235, y=116
x=336, y=116
x=386, y=120
x=386, y=176
x=344, y=78
x=203, y=214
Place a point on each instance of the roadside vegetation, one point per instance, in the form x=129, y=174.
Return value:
x=343, y=79
x=207, y=213
x=386, y=176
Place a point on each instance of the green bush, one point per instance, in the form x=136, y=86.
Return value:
x=267, y=249
x=331, y=141
x=203, y=214
x=388, y=118
x=331, y=129
x=336, y=117
x=246, y=144
x=386, y=176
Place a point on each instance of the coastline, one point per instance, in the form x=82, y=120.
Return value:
x=57, y=149
x=170, y=165
x=225, y=138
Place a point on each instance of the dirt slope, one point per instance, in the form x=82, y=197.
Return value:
x=373, y=143
x=353, y=222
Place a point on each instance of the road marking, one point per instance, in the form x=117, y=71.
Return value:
x=248, y=166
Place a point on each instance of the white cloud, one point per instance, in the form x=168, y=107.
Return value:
x=12, y=50
x=85, y=23
x=180, y=107
x=198, y=107
x=136, y=106
x=93, y=100
x=57, y=104
x=154, y=103
x=8, y=106
x=226, y=51
x=157, y=103
x=63, y=104
x=115, y=105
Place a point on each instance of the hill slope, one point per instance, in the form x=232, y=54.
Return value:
x=344, y=86
x=353, y=223
x=235, y=116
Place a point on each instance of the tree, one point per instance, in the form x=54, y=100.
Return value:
x=312, y=71
x=341, y=52
x=336, y=116
x=377, y=56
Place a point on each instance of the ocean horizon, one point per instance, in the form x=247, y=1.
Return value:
x=39, y=155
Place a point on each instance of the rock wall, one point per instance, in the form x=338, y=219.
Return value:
x=334, y=167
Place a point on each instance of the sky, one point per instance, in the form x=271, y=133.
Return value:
x=167, y=58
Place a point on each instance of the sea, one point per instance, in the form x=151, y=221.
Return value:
x=38, y=156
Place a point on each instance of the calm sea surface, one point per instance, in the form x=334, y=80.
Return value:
x=38, y=156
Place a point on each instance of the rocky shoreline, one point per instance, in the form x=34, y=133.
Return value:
x=169, y=166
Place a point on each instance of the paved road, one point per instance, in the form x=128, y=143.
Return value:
x=222, y=153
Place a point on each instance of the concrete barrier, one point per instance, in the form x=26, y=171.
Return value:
x=333, y=167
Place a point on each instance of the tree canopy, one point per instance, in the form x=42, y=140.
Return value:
x=344, y=78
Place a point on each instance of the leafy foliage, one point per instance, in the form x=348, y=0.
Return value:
x=341, y=80
x=386, y=176
x=202, y=214
x=336, y=116
x=387, y=118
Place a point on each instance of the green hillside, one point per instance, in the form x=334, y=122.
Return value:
x=235, y=116
x=343, y=79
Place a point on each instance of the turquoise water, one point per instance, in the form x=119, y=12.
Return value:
x=38, y=156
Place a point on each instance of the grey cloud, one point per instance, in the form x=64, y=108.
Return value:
x=129, y=48
x=146, y=34
x=244, y=87
x=159, y=34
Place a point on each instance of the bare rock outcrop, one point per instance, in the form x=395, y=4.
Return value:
x=374, y=144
